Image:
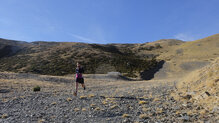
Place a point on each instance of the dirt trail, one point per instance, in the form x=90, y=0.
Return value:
x=102, y=101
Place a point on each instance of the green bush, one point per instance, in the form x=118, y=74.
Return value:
x=36, y=88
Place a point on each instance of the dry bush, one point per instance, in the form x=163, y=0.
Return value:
x=114, y=106
x=69, y=99
x=126, y=115
x=91, y=95
x=83, y=97
x=76, y=109
x=84, y=109
x=53, y=103
x=143, y=116
x=4, y=116
x=142, y=102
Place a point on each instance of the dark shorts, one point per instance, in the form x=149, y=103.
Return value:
x=80, y=80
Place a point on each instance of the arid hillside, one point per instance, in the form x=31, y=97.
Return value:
x=56, y=58
x=165, y=58
x=201, y=87
x=188, y=56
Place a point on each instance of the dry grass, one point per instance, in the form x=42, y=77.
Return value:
x=159, y=110
x=156, y=99
x=4, y=116
x=202, y=112
x=178, y=112
x=126, y=115
x=97, y=109
x=4, y=100
x=114, y=106
x=145, y=109
x=190, y=112
x=143, y=102
x=92, y=105
x=104, y=102
x=69, y=99
x=143, y=116
x=53, y=103
x=91, y=95
x=83, y=97
x=76, y=109
x=84, y=109
x=193, y=51
x=41, y=121
x=202, y=85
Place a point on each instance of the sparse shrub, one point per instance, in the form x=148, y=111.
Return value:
x=91, y=95
x=190, y=112
x=202, y=112
x=41, y=121
x=83, y=97
x=156, y=99
x=4, y=116
x=97, y=109
x=126, y=115
x=83, y=109
x=145, y=109
x=104, y=102
x=178, y=112
x=157, y=46
x=53, y=103
x=159, y=110
x=92, y=105
x=69, y=99
x=76, y=109
x=143, y=116
x=142, y=102
x=114, y=106
x=36, y=88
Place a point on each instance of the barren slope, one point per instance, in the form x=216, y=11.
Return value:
x=189, y=56
x=201, y=87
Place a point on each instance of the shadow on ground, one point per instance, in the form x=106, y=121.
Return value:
x=149, y=74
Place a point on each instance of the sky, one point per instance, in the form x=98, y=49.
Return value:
x=108, y=21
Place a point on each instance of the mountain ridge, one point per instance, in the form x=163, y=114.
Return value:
x=41, y=56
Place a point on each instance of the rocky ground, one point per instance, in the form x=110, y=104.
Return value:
x=104, y=100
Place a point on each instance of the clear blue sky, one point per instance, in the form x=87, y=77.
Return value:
x=108, y=21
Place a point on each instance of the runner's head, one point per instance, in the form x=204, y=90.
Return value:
x=78, y=64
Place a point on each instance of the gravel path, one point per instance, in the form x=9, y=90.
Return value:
x=112, y=101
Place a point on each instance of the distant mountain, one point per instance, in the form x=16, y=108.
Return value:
x=59, y=58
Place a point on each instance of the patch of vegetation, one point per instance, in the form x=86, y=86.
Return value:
x=151, y=47
x=126, y=115
x=143, y=116
x=4, y=116
x=36, y=88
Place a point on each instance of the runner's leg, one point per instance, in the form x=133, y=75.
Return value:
x=83, y=85
x=76, y=89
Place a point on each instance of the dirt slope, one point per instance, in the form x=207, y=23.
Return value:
x=201, y=87
x=189, y=56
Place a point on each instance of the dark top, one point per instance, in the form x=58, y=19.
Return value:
x=79, y=72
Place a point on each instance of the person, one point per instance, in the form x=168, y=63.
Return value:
x=79, y=78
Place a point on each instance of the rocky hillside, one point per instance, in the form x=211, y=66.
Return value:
x=188, y=56
x=55, y=58
x=166, y=58
x=201, y=87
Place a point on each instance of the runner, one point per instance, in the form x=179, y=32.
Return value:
x=79, y=78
